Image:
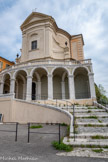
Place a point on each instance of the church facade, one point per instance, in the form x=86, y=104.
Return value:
x=51, y=65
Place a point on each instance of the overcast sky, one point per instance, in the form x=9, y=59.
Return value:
x=89, y=17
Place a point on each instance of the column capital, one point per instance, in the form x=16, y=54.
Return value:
x=91, y=74
x=28, y=77
x=71, y=76
x=63, y=82
x=2, y=82
x=49, y=75
x=38, y=81
x=12, y=79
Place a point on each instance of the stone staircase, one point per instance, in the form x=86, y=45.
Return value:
x=91, y=127
x=91, y=124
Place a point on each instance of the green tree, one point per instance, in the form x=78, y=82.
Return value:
x=101, y=94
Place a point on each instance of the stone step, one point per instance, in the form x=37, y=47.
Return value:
x=91, y=129
x=88, y=135
x=87, y=152
x=86, y=110
x=91, y=115
x=98, y=120
x=86, y=107
x=92, y=123
x=85, y=142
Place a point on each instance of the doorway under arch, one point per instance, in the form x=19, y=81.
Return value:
x=82, y=88
x=60, y=84
x=20, y=84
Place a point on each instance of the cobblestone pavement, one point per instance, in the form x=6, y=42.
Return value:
x=39, y=149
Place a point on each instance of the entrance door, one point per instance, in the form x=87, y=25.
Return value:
x=33, y=91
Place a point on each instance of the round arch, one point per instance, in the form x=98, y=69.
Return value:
x=40, y=67
x=81, y=80
x=40, y=88
x=20, y=84
x=3, y=78
x=60, y=83
x=60, y=67
x=6, y=80
x=17, y=71
x=84, y=67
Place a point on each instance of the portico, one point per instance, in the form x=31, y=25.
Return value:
x=40, y=83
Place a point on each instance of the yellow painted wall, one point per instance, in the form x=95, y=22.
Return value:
x=4, y=63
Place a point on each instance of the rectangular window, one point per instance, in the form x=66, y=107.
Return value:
x=34, y=45
x=7, y=65
x=1, y=65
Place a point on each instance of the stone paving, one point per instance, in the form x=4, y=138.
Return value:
x=86, y=152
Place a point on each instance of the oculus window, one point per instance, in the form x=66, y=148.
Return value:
x=34, y=45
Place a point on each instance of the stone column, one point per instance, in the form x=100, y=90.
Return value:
x=50, y=86
x=24, y=91
x=39, y=91
x=1, y=88
x=92, y=86
x=12, y=87
x=29, y=88
x=71, y=87
x=63, y=89
x=16, y=92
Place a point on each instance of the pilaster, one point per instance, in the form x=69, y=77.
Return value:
x=50, y=86
x=29, y=88
x=71, y=87
x=92, y=87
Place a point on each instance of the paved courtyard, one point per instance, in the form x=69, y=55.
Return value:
x=39, y=149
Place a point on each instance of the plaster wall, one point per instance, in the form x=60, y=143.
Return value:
x=23, y=112
x=6, y=109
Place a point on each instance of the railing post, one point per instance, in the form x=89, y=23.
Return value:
x=16, y=132
x=59, y=134
x=74, y=120
x=28, y=132
x=56, y=102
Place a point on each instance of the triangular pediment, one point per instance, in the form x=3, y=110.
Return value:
x=35, y=16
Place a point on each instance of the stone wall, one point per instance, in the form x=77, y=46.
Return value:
x=23, y=112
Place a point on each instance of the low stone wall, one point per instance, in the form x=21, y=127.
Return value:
x=23, y=112
x=64, y=102
x=88, y=101
x=6, y=109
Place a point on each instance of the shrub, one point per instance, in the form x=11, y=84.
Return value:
x=62, y=146
x=63, y=124
x=36, y=126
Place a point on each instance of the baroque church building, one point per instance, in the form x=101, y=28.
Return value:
x=51, y=65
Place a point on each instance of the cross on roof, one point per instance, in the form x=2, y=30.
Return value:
x=34, y=10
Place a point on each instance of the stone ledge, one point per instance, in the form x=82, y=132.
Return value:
x=84, y=142
x=94, y=124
